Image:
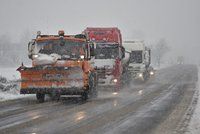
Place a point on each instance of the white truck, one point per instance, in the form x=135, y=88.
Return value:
x=140, y=59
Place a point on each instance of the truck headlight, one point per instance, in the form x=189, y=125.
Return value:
x=82, y=56
x=115, y=80
x=140, y=75
x=115, y=93
x=151, y=73
x=35, y=56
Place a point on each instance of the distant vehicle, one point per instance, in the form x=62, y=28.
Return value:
x=109, y=55
x=61, y=66
x=180, y=60
x=140, y=60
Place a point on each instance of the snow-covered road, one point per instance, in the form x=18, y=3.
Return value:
x=157, y=106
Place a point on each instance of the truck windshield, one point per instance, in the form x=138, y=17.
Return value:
x=106, y=51
x=65, y=48
x=136, y=57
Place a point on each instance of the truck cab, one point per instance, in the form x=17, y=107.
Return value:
x=140, y=59
x=109, y=54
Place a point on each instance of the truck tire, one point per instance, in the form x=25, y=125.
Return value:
x=84, y=96
x=93, y=85
x=40, y=97
x=55, y=96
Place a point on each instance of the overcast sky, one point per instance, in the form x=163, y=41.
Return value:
x=178, y=21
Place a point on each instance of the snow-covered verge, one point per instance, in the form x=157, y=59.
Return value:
x=9, y=85
x=9, y=96
x=8, y=89
x=194, y=125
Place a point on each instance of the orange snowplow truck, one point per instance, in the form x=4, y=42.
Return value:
x=61, y=65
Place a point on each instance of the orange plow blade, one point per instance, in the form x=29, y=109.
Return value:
x=65, y=80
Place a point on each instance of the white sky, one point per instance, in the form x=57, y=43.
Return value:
x=178, y=21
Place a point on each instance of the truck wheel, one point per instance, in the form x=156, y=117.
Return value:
x=93, y=85
x=55, y=96
x=40, y=97
x=84, y=96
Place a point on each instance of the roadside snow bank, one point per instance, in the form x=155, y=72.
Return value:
x=8, y=96
x=194, y=125
x=9, y=89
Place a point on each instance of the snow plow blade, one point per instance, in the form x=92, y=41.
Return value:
x=47, y=80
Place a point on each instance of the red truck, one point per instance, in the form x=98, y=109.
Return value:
x=109, y=55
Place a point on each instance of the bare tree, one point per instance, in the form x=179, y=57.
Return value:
x=159, y=50
x=13, y=53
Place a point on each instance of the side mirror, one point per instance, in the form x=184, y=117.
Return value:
x=31, y=48
x=123, y=52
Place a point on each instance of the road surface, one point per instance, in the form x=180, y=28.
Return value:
x=154, y=107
